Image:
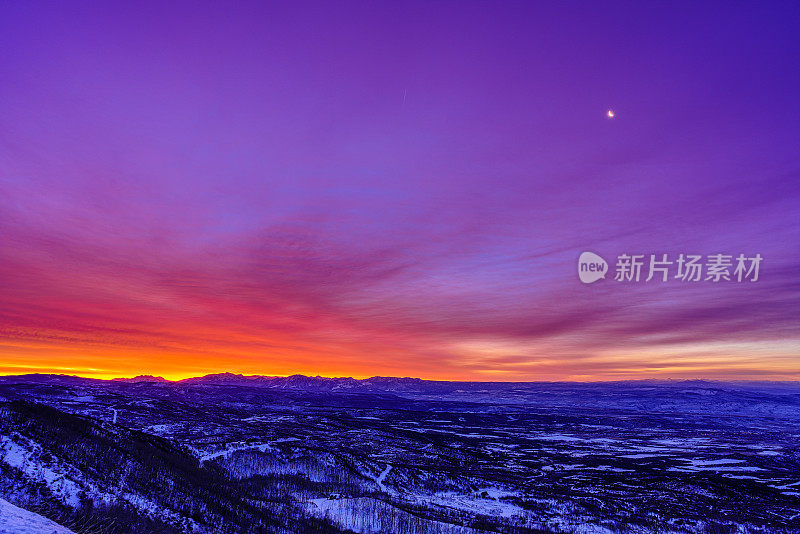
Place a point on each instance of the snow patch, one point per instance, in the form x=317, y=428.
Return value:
x=14, y=520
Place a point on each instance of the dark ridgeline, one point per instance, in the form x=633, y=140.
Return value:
x=154, y=468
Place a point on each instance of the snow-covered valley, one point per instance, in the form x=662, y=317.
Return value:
x=257, y=456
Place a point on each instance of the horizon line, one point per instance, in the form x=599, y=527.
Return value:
x=159, y=378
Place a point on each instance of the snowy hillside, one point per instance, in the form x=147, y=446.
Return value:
x=15, y=520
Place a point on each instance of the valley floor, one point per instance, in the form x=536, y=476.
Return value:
x=617, y=458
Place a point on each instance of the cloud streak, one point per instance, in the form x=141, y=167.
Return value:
x=254, y=200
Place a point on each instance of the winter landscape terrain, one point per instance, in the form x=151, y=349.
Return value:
x=14, y=520
x=230, y=454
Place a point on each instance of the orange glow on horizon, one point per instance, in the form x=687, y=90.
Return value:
x=116, y=362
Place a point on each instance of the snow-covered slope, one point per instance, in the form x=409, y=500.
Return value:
x=15, y=520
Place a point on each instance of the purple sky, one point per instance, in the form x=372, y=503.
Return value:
x=396, y=188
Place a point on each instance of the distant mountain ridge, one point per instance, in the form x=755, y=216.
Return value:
x=304, y=382
x=142, y=378
x=407, y=385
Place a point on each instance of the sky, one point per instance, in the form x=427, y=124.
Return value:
x=396, y=188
